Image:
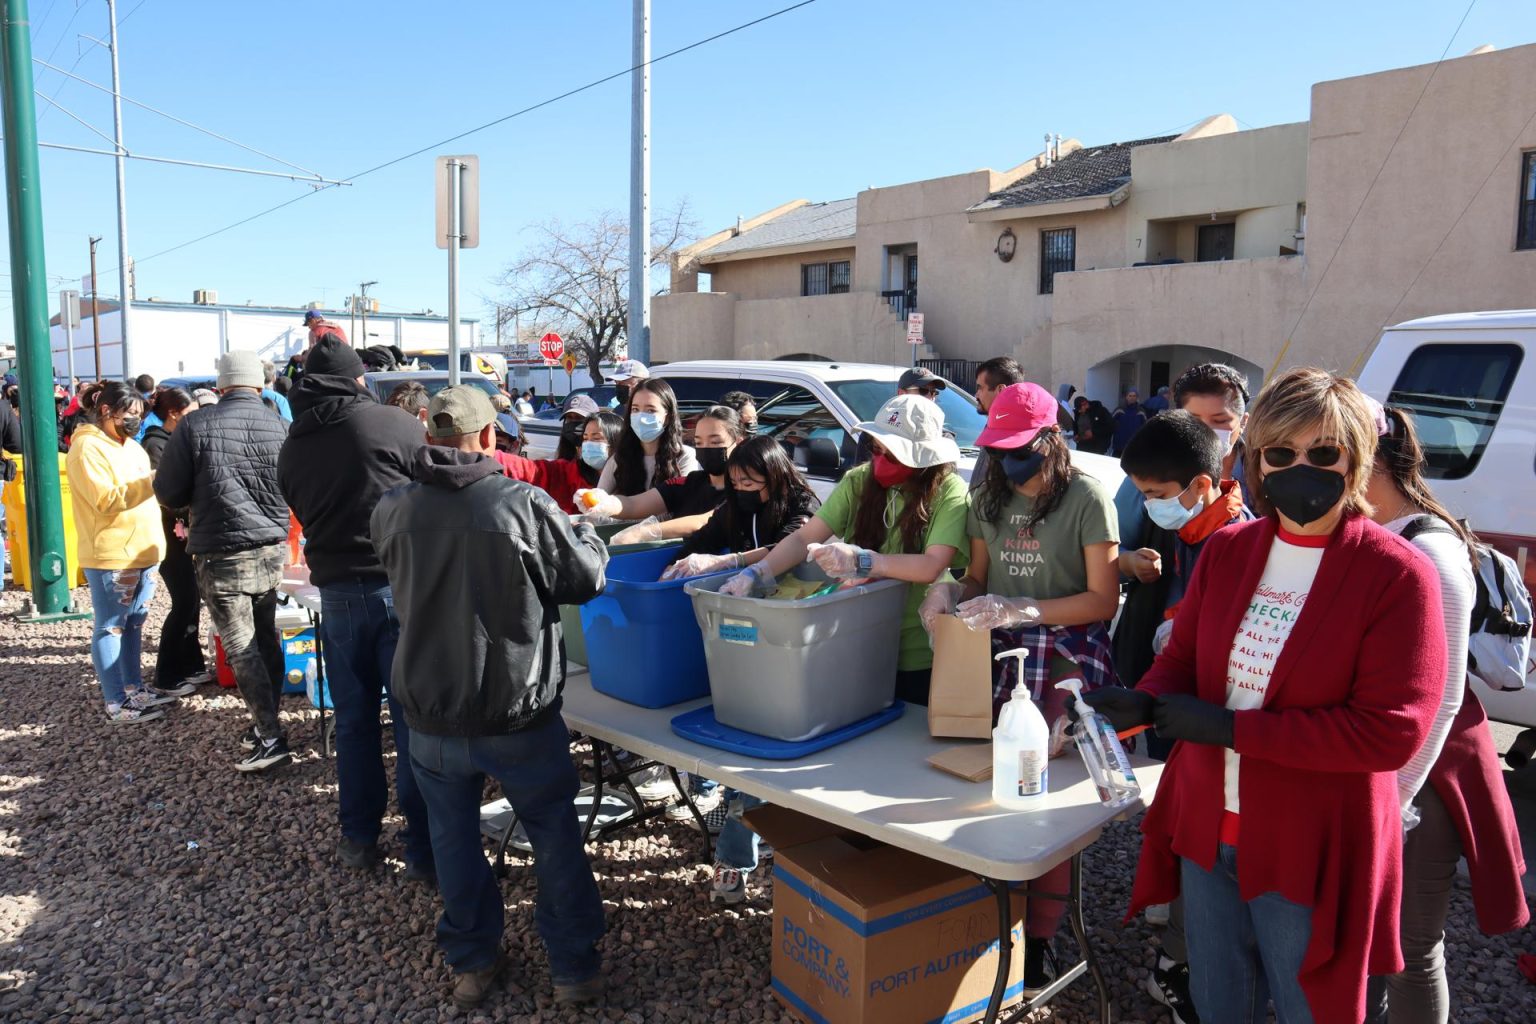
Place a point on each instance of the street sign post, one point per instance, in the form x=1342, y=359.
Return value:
x=69, y=315
x=551, y=347
x=569, y=362
x=914, y=333
x=458, y=227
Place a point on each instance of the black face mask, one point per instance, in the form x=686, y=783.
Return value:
x=1303, y=494
x=750, y=502
x=572, y=432
x=712, y=460
x=129, y=425
x=1022, y=468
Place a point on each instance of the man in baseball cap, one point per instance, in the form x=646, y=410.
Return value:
x=921, y=381
x=623, y=377
x=479, y=681
x=319, y=327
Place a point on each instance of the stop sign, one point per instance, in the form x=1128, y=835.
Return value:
x=551, y=347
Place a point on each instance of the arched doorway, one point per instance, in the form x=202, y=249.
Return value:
x=1146, y=369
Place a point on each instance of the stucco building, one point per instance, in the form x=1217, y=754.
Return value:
x=1408, y=192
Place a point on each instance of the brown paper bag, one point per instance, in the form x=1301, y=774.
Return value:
x=973, y=763
x=960, y=694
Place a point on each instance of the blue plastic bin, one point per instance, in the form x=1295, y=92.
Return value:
x=643, y=641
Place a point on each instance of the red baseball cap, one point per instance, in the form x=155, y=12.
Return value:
x=1019, y=412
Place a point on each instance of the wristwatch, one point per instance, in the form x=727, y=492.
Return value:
x=866, y=562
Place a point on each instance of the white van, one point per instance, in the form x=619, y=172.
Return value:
x=1473, y=396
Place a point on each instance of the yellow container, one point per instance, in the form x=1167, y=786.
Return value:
x=16, y=528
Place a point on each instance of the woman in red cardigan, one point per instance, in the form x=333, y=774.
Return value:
x=1305, y=667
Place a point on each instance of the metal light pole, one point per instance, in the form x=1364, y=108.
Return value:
x=95, y=311
x=29, y=303
x=125, y=297
x=455, y=236
x=639, y=320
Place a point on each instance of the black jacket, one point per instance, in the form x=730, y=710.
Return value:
x=343, y=452
x=480, y=564
x=731, y=530
x=10, y=429
x=221, y=463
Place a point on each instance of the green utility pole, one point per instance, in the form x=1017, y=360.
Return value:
x=29, y=302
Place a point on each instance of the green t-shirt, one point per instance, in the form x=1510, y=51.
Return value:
x=1047, y=562
x=946, y=526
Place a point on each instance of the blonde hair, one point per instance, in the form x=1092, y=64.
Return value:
x=1310, y=398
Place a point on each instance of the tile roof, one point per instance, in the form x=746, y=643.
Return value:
x=818, y=222
x=1090, y=171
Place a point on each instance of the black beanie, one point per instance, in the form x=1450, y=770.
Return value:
x=333, y=357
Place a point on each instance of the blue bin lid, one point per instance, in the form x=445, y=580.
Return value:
x=700, y=726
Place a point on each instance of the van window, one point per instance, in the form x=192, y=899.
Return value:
x=1456, y=394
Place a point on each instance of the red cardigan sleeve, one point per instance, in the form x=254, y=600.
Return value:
x=559, y=478
x=1174, y=669
x=1398, y=676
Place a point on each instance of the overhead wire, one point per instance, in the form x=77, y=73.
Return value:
x=489, y=124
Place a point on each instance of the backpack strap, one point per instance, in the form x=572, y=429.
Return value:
x=1424, y=524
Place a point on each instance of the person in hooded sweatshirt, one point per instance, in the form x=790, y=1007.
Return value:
x=480, y=565
x=343, y=452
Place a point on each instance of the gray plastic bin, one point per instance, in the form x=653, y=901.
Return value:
x=792, y=670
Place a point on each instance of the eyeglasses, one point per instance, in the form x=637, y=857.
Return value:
x=1322, y=456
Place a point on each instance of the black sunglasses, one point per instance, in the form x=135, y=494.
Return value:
x=1279, y=456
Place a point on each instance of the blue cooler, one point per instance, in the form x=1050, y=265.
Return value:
x=643, y=641
x=296, y=636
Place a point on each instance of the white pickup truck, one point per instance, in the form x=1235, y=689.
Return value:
x=814, y=407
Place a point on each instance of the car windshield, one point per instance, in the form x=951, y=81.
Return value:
x=961, y=416
x=382, y=387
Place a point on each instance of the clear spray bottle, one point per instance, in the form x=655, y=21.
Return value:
x=1102, y=752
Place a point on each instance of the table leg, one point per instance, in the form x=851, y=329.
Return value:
x=709, y=846
x=314, y=618
x=1004, y=946
x=1080, y=931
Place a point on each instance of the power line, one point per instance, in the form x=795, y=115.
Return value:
x=178, y=120
x=76, y=117
x=1376, y=177
x=489, y=124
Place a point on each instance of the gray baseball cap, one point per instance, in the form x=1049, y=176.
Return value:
x=457, y=410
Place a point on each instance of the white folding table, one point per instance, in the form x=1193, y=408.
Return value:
x=880, y=785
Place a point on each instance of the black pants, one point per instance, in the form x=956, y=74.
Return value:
x=912, y=686
x=181, y=652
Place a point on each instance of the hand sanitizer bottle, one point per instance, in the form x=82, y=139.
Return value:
x=1108, y=767
x=1020, y=747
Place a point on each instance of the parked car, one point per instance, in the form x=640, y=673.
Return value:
x=813, y=408
x=381, y=384
x=1473, y=398
x=604, y=395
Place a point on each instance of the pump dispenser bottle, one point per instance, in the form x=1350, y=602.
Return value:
x=1108, y=767
x=1020, y=747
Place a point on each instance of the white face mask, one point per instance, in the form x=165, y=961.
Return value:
x=1225, y=437
x=1170, y=513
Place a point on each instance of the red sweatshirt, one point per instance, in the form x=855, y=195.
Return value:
x=1351, y=699
x=561, y=478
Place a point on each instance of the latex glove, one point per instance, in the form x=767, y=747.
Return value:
x=1143, y=564
x=747, y=582
x=699, y=565
x=992, y=612
x=941, y=600
x=643, y=532
x=596, y=504
x=1160, y=637
x=1182, y=716
x=1125, y=708
x=840, y=561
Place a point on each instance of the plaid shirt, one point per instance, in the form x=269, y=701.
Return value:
x=1086, y=646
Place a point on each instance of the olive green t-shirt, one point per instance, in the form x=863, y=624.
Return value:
x=1046, y=562
x=946, y=526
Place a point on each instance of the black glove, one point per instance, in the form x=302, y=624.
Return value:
x=1181, y=716
x=1125, y=708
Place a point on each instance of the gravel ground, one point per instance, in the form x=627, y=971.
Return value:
x=142, y=878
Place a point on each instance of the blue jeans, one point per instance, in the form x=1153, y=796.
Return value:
x=738, y=845
x=1242, y=954
x=119, y=604
x=359, y=635
x=537, y=777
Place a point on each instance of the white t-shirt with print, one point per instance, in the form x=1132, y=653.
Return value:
x=1272, y=613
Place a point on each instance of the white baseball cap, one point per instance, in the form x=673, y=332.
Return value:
x=629, y=369
x=911, y=428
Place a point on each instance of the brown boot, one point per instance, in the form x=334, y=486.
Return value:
x=581, y=993
x=470, y=988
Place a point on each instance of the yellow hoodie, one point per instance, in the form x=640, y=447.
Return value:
x=117, y=519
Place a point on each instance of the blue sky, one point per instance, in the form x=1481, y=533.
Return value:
x=819, y=103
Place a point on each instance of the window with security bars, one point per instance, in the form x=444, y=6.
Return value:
x=1058, y=254
x=826, y=278
x=1525, y=237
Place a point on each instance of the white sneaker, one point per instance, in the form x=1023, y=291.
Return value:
x=705, y=802
x=654, y=784
x=143, y=700
x=185, y=688
x=124, y=715
x=729, y=886
x=1156, y=914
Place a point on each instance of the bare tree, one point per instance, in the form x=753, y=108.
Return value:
x=575, y=280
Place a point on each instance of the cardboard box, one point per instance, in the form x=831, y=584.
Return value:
x=865, y=933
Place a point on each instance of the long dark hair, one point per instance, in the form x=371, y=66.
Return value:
x=1056, y=475
x=107, y=399
x=612, y=427
x=629, y=461
x=169, y=400
x=921, y=491
x=763, y=456
x=1399, y=452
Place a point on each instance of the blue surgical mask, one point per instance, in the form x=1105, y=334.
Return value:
x=594, y=454
x=1020, y=469
x=1170, y=513
x=647, y=425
